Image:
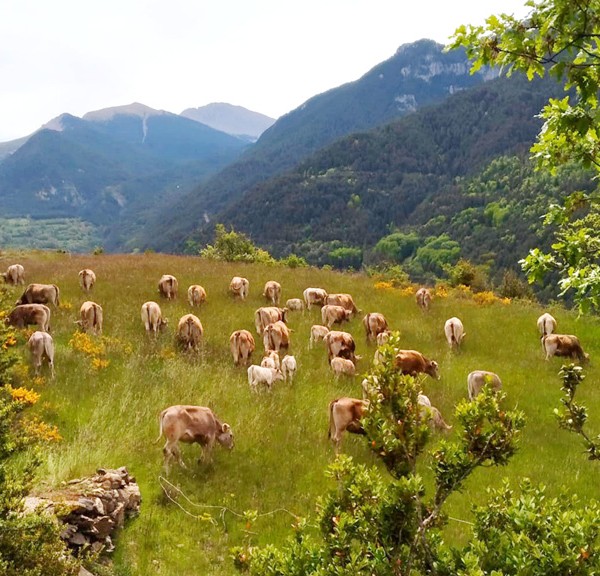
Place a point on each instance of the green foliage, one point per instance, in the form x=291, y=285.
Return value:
x=466, y=274
x=514, y=287
x=346, y=257
x=398, y=246
x=394, y=274
x=294, y=261
x=437, y=253
x=233, y=246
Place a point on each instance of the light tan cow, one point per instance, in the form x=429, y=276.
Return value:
x=190, y=332
x=152, y=318
x=423, y=297
x=241, y=343
x=91, y=317
x=342, y=367
x=289, y=367
x=168, y=286
x=276, y=336
x=41, y=346
x=15, y=274
x=454, y=331
x=340, y=344
x=343, y=300
x=546, y=324
x=295, y=305
x=383, y=337
x=333, y=314
x=317, y=333
x=375, y=324
x=272, y=292
x=477, y=379
x=239, y=287
x=314, y=296
x=345, y=414
x=268, y=315
x=27, y=314
x=412, y=363
x=40, y=294
x=192, y=424
x=433, y=415
x=564, y=345
x=196, y=295
x=87, y=279
x=270, y=359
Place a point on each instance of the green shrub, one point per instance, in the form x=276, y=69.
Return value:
x=234, y=246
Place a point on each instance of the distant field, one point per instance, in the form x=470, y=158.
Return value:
x=108, y=416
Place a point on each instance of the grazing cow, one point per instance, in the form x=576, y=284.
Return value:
x=477, y=379
x=196, y=295
x=289, y=367
x=261, y=375
x=168, y=286
x=239, y=287
x=564, y=345
x=316, y=296
x=423, y=297
x=276, y=336
x=343, y=300
x=546, y=324
x=87, y=279
x=345, y=415
x=454, y=331
x=270, y=359
x=433, y=415
x=317, y=333
x=189, y=331
x=383, y=337
x=332, y=314
x=91, y=317
x=26, y=314
x=268, y=315
x=41, y=346
x=375, y=324
x=191, y=424
x=152, y=318
x=340, y=344
x=412, y=362
x=295, y=305
x=15, y=274
x=242, y=345
x=40, y=294
x=342, y=366
x=272, y=292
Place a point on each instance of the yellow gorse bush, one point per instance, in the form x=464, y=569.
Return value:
x=99, y=363
x=408, y=291
x=486, y=298
x=23, y=395
x=39, y=430
x=383, y=286
x=83, y=342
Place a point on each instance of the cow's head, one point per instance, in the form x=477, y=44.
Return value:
x=162, y=323
x=432, y=369
x=284, y=312
x=225, y=436
x=278, y=374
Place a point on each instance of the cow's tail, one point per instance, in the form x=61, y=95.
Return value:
x=453, y=335
x=49, y=348
x=331, y=431
x=366, y=325
x=160, y=426
x=57, y=294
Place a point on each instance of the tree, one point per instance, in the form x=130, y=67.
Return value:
x=559, y=38
x=234, y=246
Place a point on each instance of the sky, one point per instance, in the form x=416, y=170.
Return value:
x=269, y=56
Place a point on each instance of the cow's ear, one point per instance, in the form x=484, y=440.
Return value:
x=226, y=427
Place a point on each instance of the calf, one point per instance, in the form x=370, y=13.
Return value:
x=454, y=331
x=564, y=345
x=342, y=366
x=272, y=292
x=375, y=324
x=314, y=296
x=412, y=363
x=91, y=317
x=260, y=375
x=345, y=415
x=270, y=359
x=27, y=314
x=190, y=331
x=40, y=294
x=241, y=343
x=332, y=314
x=288, y=368
x=477, y=379
x=196, y=295
x=239, y=287
x=168, y=286
x=41, y=346
x=423, y=297
x=276, y=336
x=152, y=318
x=87, y=279
x=433, y=415
x=15, y=274
x=317, y=333
x=295, y=305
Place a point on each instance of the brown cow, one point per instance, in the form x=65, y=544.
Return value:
x=152, y=318
x=423, y=297
x=27, y=314
x=239, y=287
x=272, y=292
x=314, y=296
x=191, y=424
x=241, y=343
x=268, y=315
x=40, y=294
x=41, y=346
x=87, y=279
x=454, y=331
x=564, y=345
x=189, y=331
x=345, y=415
x=196, y=295
x=91, y=317
x=15, y=274
x=477, y=379
x=343, y=300
x=168, y=286
x=340, y=344
x=332, y=314
x=375, y=324
x=412, y=362
x=276, y=336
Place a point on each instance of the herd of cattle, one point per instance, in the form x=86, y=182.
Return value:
x=198, y=424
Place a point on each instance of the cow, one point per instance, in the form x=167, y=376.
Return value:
x=189, y=331
x=26, y=314
x=375, y=324
x=168, y=286
x=191, y=424
x=317, y=333
x=270, y=359
x=412, y=363
x=332, y=314
x=340, y=344
x=454, y=331
x=196, y=295
x=564, y=345
x=477, y=379
x=433, y=415
x=152, y=318
x=41, y=346
x=40, y=294
x=91, y=317
x=345, y=415
x=342, y=366
x=276, y=336
x=383, y=337
x=314, y=296
x=272, y=292
x=239, y=287
x=343, y=300
x=87, y=279
x=423, y=297
x=295, y=305
x=261, y=375
x=242, y=345
x=15, y=274
x=546, y=324
x=268, y=315
x=288, y=368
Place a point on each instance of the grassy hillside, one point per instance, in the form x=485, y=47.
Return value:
x=108, y=413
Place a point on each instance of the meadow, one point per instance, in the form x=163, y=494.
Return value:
x=109, y=391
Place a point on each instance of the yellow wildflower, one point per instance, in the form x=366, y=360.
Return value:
x=23, y=395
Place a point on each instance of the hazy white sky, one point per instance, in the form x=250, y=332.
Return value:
x=266, y=55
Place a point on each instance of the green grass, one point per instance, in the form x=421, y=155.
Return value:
x=109, y=418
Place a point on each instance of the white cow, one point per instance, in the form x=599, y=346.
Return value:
x=260, y=375
x=342, y=366
x=152, y=318
x=41, y=346
x=317, y=333
x=289, y=367
x=477, y=379
x=546, y=324
x=270, y=360
x=454, y=331
x=87, y=279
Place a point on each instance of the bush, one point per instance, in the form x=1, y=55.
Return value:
x=233, y=246
x=466, y=274
x=294, y=261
